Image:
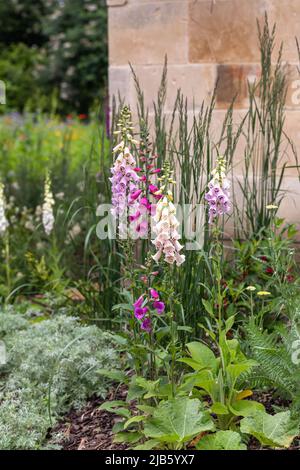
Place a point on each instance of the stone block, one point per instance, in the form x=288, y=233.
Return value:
x=144, y=33
x=195, y=81
x=225, y=30
x=232, y=82
x=286, y=15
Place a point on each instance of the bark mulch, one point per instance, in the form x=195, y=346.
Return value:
x=89, y=428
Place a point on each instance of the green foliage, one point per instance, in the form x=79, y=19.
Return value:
x=274, y=431
x=217, y=377
x=57, y=352
x=274, y=359
x=178, y=421
x=76, y=53
x=22, y=22
x=50, y=49
x=18, y=63
x=221, y=440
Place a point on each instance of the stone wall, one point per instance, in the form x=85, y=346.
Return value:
x=206, y=41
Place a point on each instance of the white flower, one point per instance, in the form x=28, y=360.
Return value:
x=166, y=241
x=3, y=219
x=48, y=216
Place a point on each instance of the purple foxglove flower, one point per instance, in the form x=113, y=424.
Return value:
x=154, y=294
x=140, y=312
x=159, y=306
x=139, y=301
x=135, y=216
x=146, y=325
x=133, y=196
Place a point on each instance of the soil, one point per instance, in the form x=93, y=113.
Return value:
x=91, y=428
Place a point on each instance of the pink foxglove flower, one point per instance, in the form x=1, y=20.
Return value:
x=154, y=294
x=159, y=306
x=218, y=191
x=48, y=216
x=3, y=219
x=124, y=181
x=143, y=312
x=147, y=325
x=167, y=236
x=140, y=312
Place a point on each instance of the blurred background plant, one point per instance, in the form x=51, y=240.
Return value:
x=53, y=55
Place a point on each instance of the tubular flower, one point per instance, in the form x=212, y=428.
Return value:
x=124, y=182
x=3, y=219
x=167, y=236
x=218, y=193
x=143, y=312
x=48, y=216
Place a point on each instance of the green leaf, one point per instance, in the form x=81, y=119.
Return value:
x=193, y=364
x=116, y=375
x=146, y=408
x=127, y=437
x=208, y=307
x=148, y=445
x=112, y=407
x=178, y=420
x=235, y=370
x=245, y=407
x=128, y=307
x=274, y=431
x=134, y=419
x=219, y=409
x=221, y=440
x=202, y=354
x=229, y=323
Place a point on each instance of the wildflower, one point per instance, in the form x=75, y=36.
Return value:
x=154, y=294
x=139, y=301
x=251, y=288
x=263, y=293
x=167, y=236
x=3, y=219
x=269, y=270
x=218, y=193
x=290, y=278
x=48, y=216
x=271, y=207
x=140, y=312
x=146, y=325
x=159, y=306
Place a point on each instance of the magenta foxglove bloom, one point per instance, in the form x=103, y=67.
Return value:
x=218, y=191
x=154, y=294
x=159, y=306
x=140, y=312
x=146, y=325
x=139, y=301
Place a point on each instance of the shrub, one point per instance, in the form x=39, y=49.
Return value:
x=57, y=357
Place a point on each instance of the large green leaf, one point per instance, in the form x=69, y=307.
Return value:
x=221, y=440
x=219, y=409
x=178, y=420
x=202, y=355
x=235, y=370
x=275, y=431
x=245, y=407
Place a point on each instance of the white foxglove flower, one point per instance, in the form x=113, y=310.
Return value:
x=3, y=219
x=48, y=216
x=167, y=236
